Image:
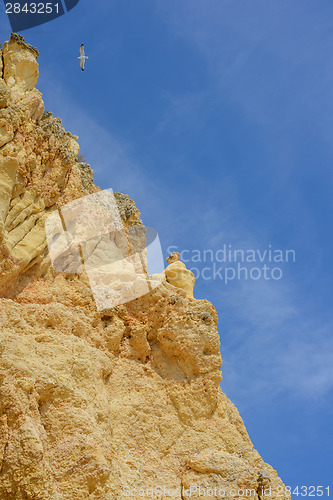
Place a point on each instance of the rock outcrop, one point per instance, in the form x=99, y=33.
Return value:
x=177, y=275
x=99, y=404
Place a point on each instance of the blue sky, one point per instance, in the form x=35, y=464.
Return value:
x=216, y=117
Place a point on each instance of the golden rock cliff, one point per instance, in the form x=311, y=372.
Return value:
x=99, y=405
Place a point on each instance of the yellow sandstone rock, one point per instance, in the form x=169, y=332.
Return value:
x=177, y=275
x=8, y=172
x=20, y=64
x=4, y=94
x=94, y=405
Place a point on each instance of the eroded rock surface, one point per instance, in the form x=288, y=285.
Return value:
x=178, y=275
x=92, y=403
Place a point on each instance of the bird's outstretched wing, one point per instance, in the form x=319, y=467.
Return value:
x=82, y=61
x=82, y=50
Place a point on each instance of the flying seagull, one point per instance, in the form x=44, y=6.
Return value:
x=82, y=57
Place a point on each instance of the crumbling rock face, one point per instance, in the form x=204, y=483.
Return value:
x=38, y=165
x=96, y=404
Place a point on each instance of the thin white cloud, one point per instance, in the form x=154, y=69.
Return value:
x=273, y=344
x=112, y=158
